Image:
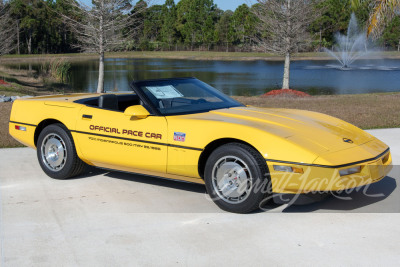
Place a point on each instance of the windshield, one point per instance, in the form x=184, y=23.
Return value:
x=184, y=96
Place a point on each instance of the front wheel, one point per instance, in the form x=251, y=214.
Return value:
x=237, y=178
x=57, y=154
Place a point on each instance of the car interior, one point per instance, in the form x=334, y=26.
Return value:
x=111, y=101
x=121, y=102
x=170, y=102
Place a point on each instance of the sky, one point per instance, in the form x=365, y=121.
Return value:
x=229, y=4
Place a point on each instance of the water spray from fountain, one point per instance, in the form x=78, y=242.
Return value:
x=349, y=47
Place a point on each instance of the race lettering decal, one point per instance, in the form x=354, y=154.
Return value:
x=180, y=137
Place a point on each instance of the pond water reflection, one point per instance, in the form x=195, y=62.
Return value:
x=243, y=77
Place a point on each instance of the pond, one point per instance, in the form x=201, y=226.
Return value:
x=244, y=77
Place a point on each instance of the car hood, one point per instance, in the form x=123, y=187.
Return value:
x=317, y=131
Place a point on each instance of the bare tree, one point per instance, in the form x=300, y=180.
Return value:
x=103, y=26
x=282, y=28
x=7, y=28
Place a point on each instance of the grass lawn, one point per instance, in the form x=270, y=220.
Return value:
x=193, y=55
x=5, y=139
x=366, y=111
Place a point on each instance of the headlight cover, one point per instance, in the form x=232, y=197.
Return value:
x=349, y=171
x=282, y=168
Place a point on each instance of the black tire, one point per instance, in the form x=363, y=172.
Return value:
x=222, y=171
x=62, y=162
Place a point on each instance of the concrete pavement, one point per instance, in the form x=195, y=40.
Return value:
x=117, y=219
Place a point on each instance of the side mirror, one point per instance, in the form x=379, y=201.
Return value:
x=137, y=112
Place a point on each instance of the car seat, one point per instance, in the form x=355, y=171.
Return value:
x=108, y=101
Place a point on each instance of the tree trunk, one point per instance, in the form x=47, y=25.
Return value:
x=29, y=43
x=286, y=73
x=191, y=48
x=100, y=85
x=65, y=42
x=18, y=51
x=398, y=47
x=115, y=88
x=320, y=40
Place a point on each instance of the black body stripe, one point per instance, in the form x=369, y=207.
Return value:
x=16, y=122
x=199, y=149
x=185, y=147
x=330, y=166
x=137, y=140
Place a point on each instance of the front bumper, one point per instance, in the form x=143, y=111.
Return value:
x=327, y=179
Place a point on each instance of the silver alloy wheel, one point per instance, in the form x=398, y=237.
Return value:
x=54, y=152
x=231, y=179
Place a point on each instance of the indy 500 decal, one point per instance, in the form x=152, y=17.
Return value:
x=180, y=137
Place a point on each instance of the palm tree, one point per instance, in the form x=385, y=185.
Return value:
x=383, y=11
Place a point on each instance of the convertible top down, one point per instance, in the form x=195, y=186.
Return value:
x=184, y=129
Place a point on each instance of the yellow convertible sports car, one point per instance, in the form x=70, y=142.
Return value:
x=184, y=129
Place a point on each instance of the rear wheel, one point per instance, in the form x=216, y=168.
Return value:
x=57, y=154
x=237, y=178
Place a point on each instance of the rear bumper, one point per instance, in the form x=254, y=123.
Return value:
x=317, y=178
x=25, y=137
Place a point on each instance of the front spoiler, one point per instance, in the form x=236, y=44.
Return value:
x=327, y=179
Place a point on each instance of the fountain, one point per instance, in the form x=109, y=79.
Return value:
x=352, y=47
x=349, y=47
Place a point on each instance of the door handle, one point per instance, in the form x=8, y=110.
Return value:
x=84, y=116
